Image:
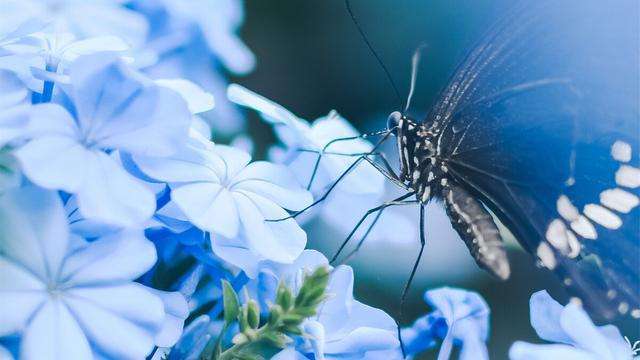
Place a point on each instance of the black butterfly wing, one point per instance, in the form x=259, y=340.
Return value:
x=539, y=121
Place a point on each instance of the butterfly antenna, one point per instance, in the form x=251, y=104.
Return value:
x=415, y=62
x=373, y=51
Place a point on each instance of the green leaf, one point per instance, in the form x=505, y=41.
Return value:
x=230, y=302
x=253, y=314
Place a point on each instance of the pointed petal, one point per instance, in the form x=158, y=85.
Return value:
x=176, y=312
x=521, y=350
x=21, y=293
x=197, y=99
x=545, y=315
x=93, y=45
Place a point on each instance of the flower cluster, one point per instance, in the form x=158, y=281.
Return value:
x=126, y=232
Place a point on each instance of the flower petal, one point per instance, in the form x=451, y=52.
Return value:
x=176, y=312
x=55, y=162
x=118, y=257
x=197, y=99
x=280, y=241
x=110, y=194
x=361, y=341
x=525, y=351
x=545, y=315
x=21, y=293
x=209, y=206
x=54, y=334
x=270, y=110
x=274, y=182
x=93, y=45
x=236, y=252
x=109, y=333
x=131, y=301
x=33, y=230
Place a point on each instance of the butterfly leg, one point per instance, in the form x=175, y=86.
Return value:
x=477, y=229
x=407, y=285
x=398, y=201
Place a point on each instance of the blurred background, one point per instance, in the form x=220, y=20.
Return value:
x=311, y=59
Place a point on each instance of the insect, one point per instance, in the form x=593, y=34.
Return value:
x=539, y=124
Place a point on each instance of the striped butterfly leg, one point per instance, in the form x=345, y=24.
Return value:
x=477, y=229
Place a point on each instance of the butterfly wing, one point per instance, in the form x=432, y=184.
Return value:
x=541, y=121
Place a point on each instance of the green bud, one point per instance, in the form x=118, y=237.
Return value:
x=292, y=319
x=242, y=319
x=284, y=297
x=274, y=314
x=239, y=338
x=230, y=302
x=277, y=340
x=253, y=314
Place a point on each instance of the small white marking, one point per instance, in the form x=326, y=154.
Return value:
x=443, y=182
x=619, y=200
x=623, y=307
x=602, y=216
x=566, y=208
x=574, y=244
x=611, y=294
x=410, y=127
x=628, y=176
x=635, y=313
x=404, y=140
x=557, y=236
x=621, y=151
x=425, y=194
x=430, y=176
x=406, y=156
x=433, y=161
x=416, y=160
x=416, y=175
x=583, y=227
x=444, y=168
x=568, y=281
x=576, y=301
x=546, y=255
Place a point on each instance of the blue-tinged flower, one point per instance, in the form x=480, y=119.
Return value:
x=13, y=92
x=460, y=318
x=220, y=191
x=73, y=299
x=44, y=56
x=83, y=18
x=114, y=110
x=218, y=21
x=573, y=334
x=297, y=134
x=344, y=327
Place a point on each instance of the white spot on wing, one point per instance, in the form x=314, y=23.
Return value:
x=557, y=235
x=546, y=255
x=583, y=227
x=574, y=244
x=425, y=195
x=602, y=216
x=619, y=200
x=621, y=151
x=628, y=176
x=566, y=208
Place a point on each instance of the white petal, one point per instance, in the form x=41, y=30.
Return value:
x=93, y=45
x=209, y=206
x=176, y=312
x=275, y=182
x=197, y=99
x=132, y=301
x=110, y=334
x=110, y=194
x=54, y=334
x=115, y=258
x=190, y=164
x=55, y=162
x=21, y=294
x=33, y=230
x=232, y=160
x=272, y=111
x=280, y=241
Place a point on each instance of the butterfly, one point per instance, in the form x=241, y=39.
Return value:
x=540, y=124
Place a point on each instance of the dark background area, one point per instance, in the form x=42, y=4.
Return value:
x=311, y=59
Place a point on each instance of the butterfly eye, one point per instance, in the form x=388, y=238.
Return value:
x=393, y=120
